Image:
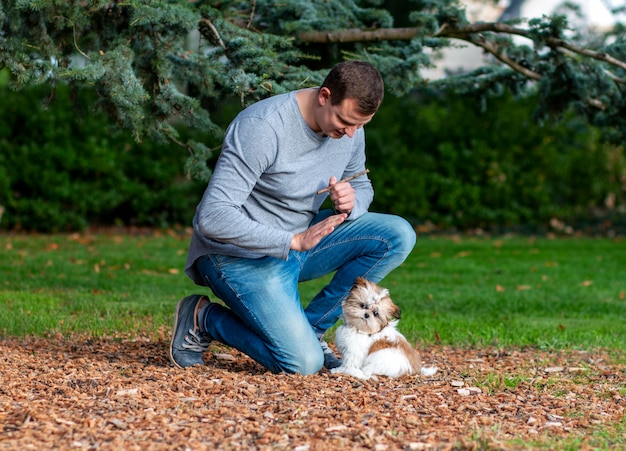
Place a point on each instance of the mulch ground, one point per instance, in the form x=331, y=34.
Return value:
x=74, y=393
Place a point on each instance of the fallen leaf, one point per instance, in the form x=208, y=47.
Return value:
x=554, y=417
x=225, y=356
x=65, y=422
x=336, y=428
x=553, y=424
x=118, y=423
x=469, y=391
x=127, y=392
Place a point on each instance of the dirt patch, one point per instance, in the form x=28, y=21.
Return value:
x=123, y=394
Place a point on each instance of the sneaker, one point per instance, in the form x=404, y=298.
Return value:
x=188, y=342
x=330, y=360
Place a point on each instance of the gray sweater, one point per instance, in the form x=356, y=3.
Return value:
x=263, y=189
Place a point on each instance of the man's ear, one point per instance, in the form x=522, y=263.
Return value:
x=323, y=96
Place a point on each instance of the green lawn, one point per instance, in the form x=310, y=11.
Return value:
x=515, y=291
x=506, y=291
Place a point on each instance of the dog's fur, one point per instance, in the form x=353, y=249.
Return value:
x=368, y=340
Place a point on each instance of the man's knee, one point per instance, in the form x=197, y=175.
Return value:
x=401, y=235
x=405, y=231
x=303, y=361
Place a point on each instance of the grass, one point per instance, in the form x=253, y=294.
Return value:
x=513, y=291
x=549, y=293
x=103, y=284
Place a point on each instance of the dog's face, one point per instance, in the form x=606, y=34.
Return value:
x=369, y=307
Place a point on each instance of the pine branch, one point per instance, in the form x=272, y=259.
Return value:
x=600, y=56
x=358, y=35
x=462, y=33
x=251, y=18
x=210, y=33
x=136, y=52
x=556, y=43
x=494, y=50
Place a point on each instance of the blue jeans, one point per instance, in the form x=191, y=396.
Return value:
x=265, y=318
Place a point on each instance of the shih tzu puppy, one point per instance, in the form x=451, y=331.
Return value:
x=368, y=339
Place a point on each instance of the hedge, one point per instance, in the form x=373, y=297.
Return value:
x=440, y=160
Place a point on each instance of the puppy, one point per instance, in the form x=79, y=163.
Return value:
x=368, y=340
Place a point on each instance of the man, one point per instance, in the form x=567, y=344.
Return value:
x=258, y=230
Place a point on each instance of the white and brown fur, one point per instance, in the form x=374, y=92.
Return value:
x=368, y=339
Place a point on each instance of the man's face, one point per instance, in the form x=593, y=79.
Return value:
x=335, y=121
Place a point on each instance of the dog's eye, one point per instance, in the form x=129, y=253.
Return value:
x=363, y=306
x=375, y=312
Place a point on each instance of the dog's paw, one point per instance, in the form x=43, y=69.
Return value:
x=429, y=371
x=354, y=372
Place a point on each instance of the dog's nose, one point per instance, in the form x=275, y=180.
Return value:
x=367, y=315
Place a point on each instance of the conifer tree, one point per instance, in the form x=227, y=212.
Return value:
x=157, y=62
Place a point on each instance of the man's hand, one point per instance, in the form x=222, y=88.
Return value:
x=342, y=195
x=311, y=236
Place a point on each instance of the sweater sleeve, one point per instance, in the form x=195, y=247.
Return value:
x=248, y=149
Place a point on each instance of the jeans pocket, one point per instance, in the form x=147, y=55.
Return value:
x=220, y=261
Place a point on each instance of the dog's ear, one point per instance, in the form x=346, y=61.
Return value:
x=360, y=281
x=395, y=313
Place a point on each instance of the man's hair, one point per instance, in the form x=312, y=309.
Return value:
x=357, y=80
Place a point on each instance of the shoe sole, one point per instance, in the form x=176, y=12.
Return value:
x=174, y=327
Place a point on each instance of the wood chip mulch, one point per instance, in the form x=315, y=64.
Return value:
x=76, y=393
